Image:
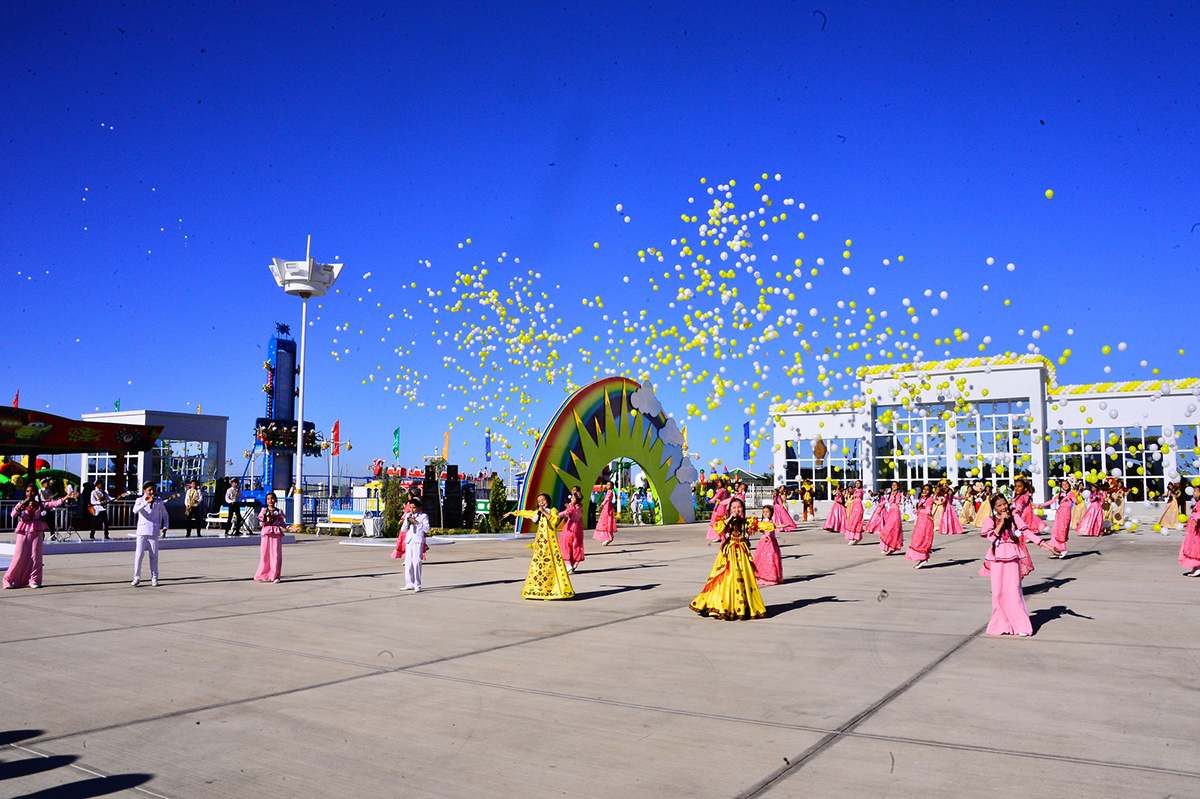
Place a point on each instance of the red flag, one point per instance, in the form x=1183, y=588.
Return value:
x=337, y=445
x=16, y=397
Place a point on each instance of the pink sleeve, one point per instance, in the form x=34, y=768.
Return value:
x=988, y=528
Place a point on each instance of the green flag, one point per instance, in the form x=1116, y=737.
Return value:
x=396, y=442
x=117, y=404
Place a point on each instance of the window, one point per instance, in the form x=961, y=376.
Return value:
x=825, y=461
x=101, y=467
x=995, y=441
x=1132, y=454
x=174, y=463
x=910, y=444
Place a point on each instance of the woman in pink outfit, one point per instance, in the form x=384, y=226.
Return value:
x=835, y=522
x=854, y=518
x=606, y=524
x=1007, y=563
x=570, y=537
x=922, y=537
x=274, y=522
x=1092, y=522
x=950, y=523
x=875, y=523
x=26, y=566
x=768, y=562
x=781, y=517
x=891, y=535
x=720, y=510
x=1189, y=552
x=1022, y=505
x=1062, y=521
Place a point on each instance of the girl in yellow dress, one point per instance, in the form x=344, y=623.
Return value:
x=547, y=578
x=731, y=591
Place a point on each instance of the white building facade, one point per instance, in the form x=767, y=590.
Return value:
x=991, y=419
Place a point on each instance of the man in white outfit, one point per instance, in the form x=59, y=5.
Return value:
x=414, y=527
x=151, y=517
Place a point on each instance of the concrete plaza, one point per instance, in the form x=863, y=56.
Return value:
x=868, y=678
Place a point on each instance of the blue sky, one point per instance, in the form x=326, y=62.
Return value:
x=158, y=155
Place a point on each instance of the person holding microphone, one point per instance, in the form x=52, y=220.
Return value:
x=414, y=526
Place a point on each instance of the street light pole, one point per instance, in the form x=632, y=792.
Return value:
x=298, y=508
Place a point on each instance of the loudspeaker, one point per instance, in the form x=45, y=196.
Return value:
x=468, y=506
x=452, y=505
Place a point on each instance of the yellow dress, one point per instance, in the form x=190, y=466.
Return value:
x=984, y=511
x=731, y=591
x=1077, y=510
x=547, y=578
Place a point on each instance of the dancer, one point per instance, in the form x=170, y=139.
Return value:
x=768, y=561
x=835, y=522
x=808, y=493
x=781, y=517
x=152, y=522
x=922, y=537
x=606, y=525
x=1062, y=521
x=1023, y=506
x=950, y=523
x=967, y=514
x=720, y=509
x=1189, y=551
x=414, y=527
x=547, y=578
x=1092, y=523
x=891, y=533
x=983, y=504
x=854, y=519
x=1007, y=563
x=570, y=540
x=731, y=592
x=875, y=523
x=26, y=566
x=1115, y=514
x=1077, y=510
x=1170, y=517
x=273, y=522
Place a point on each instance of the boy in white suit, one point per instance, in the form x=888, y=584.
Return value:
x=151, y=517
x=413, y=527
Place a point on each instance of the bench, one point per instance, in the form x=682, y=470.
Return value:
x=217, y=521
x=348, y=520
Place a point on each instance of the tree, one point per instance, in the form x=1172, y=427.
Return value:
x=498, y=505
x=394, y=497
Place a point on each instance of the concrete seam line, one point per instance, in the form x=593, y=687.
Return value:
x=84, y=769
x=794, y=765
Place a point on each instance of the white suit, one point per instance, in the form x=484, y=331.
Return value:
x=414, y=529
x=151, y=520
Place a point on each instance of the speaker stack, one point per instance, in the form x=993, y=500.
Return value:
x=430, y=496
x=468, y=506
x=452, y=505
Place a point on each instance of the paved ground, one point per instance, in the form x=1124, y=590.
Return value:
x=868, y=679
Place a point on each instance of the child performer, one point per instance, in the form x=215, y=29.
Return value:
x=26, y=566
x=768, y=562
x=547, y=578
x=1092, y=522
x=1189, y=552
x=151, y=517
x=1007, y=563
x=922, y=537
x=951, y=524
x=570, y=540
x=1062, y=521
x=414, y=526
x=891, y=534
x=606, y=525
x=731, y=592
x=835, y=522
x=270, y=560
x=854, y=519
x=720, y=509
x=781, y=517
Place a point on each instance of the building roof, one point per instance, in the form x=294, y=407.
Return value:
x=1134, y=386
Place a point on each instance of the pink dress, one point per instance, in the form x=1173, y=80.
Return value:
x=781, y=517
x=875, y=523
x=570, y=538
x=891, y=534
x=922, y=537
x=1092, y=522
x=720, y=511
x=1062, y=522
x=854, y=519
x=835, y=522
x=270, y=562
x=26, y=566
x=1189, y=552
x=606, y=525
x=1023, y=506
x=1007, y=563
x=951, y=524
x=768, y=563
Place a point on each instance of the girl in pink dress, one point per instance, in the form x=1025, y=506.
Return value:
x=606, y=524
x=270, y=562
x=720, y=510
x=768, y=562
x=950, y=523
x=1189, y=552
x=875, y=523
x=26, y=566
x=835, y=522
x=1092, y=522
x=1062, y=522
x=854, y=519
x=1022, y=505
x=891, y=534
x=570, y=537
x=781, y=517
x=1007, y=563
x=922, y=537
